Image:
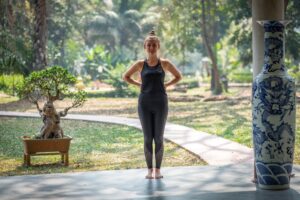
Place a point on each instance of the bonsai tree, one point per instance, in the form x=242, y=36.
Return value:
x=48, y=85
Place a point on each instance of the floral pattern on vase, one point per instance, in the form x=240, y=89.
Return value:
x=273, y=112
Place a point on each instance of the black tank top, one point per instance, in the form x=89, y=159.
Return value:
x=153, y=79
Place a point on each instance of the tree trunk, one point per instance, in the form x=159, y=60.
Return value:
x=51, y=119
x=69, y=13
x=286, y=2
x=7, y=25
x=212, y=79
x=209, y=43
x=11, y=18
x=40, y=35
x=10, y=44
x=183, y=63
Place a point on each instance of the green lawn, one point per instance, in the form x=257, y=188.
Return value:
x=229, y=118
x=4, y=98
x=223, y=118
x=95, y=146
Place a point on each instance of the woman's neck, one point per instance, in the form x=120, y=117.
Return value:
x=152, y=60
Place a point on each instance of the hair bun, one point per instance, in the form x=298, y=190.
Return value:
x=152, y=33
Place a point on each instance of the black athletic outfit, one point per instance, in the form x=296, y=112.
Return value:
x=153, y=111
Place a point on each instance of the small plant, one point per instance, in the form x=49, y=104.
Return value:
x=49, y=85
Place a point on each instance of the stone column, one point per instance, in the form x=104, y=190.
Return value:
x=263, y=10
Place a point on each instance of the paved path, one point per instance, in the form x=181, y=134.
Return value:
x=214, y=150
x=179, y=183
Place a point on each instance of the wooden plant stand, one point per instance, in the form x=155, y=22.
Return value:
x=41, y=147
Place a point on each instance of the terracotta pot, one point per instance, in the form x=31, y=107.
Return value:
x=38, y=147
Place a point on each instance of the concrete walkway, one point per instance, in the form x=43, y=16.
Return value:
x=230, y=182
x=214, y=150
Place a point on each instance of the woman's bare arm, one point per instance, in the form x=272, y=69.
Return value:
x=167, y=65
x=133, y=69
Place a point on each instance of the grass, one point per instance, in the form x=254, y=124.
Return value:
x=231, y=118
x=95, y=146
x=221, y=118
x=4, y=98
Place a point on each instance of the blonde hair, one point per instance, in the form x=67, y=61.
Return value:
x=151, y=36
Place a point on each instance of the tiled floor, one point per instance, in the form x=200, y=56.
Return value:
x=205, y=183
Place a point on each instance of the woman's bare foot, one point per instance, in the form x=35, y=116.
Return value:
x=150, y=174
x=157, y=174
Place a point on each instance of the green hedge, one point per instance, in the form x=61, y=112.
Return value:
x=127, y=92
x=190, y=82
x=243, y=77
x=10, y=83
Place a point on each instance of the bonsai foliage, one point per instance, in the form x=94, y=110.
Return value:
x=48, y=85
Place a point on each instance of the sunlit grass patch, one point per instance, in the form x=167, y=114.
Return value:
x=4, y=98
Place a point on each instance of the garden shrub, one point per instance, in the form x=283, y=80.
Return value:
x=189, y=81
x=10, y=83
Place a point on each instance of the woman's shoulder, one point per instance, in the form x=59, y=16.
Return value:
x=164, y=60
x=140, y=61
x=138, y=64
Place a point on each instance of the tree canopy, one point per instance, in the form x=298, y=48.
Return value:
x=35, y=34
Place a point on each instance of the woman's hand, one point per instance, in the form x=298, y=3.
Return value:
x=166, y=86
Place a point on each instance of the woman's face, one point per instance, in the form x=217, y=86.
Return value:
x=151, y=46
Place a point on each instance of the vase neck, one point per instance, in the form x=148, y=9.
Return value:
x=274, y=48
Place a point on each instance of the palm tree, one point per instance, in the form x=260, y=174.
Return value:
x=124, y=31
x=103, y=29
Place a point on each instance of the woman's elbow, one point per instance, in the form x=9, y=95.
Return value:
x=125, y=78
x=179, y=77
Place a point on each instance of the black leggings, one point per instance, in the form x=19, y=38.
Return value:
x=153, y=112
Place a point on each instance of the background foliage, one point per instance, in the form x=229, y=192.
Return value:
x=98, y=40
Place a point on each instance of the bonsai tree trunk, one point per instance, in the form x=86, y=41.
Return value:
x=51, y=119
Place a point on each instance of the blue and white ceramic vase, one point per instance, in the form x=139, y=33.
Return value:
x=274, y=113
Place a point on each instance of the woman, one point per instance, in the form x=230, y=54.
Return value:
x=153, y=101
